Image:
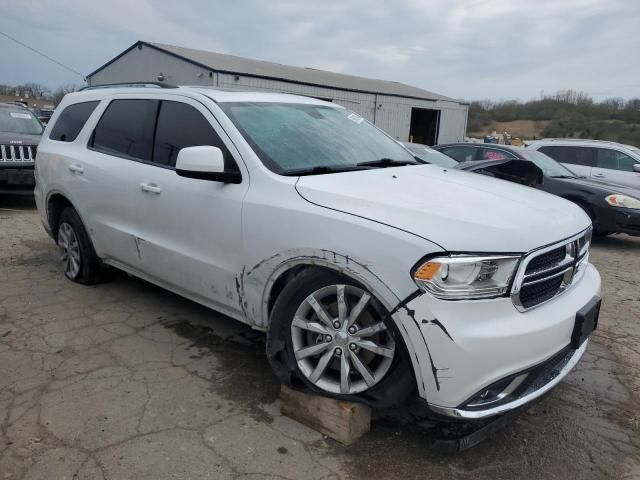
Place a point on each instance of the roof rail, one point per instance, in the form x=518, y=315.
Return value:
x=578, y=140
x=129, y=85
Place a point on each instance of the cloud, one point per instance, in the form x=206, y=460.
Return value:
x=463, y=48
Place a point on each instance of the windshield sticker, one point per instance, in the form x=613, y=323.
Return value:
x=355, y=118
x=26, y=116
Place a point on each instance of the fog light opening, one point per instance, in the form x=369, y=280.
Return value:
x=497, y=392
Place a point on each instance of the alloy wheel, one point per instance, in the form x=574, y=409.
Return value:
x=69, y=248
x=340, y=342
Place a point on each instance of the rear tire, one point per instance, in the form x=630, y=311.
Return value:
x=79, y=259
x=363, y=360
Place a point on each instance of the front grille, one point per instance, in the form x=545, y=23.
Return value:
x=546, y=260
x=18, y=153
x=546, y=273
x=537, y=293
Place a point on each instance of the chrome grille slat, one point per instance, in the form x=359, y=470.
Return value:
x=568, y=260
x=544, y=279
x=17, y=153
x=548, y=279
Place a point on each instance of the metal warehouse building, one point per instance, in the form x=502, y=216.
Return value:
x=403, y=111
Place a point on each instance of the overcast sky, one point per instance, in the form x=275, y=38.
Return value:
x=462, y=48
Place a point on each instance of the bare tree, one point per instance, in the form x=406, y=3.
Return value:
x=33, y=90
x=60, y=92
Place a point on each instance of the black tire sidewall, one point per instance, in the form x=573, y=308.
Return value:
x=391, y=390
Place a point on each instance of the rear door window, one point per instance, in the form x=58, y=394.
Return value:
x=71, y=121
x=126, y=129
x=461, y=154
x=179, y=126
x=615, y=160
x=585, y=156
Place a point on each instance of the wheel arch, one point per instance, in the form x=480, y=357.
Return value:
x=263, y=283
x=56, y=203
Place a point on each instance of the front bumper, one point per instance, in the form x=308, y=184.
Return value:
x=17, y=180
x=544, y=378
x=459, y=348
x=619, y=220
x=628, y=221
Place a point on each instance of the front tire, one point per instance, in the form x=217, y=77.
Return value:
x=79, y=260
x=329, y=335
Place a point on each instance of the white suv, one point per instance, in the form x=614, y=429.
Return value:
x=600, y=160
x=374, y=275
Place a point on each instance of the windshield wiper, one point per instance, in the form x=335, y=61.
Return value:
x=319, y=170
x=387, y=162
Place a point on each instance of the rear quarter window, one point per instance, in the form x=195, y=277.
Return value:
x=71, y=121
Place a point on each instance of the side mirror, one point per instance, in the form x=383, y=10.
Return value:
x=636, y=167
x=205, y=163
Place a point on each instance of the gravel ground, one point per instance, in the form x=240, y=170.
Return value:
x=125, y=380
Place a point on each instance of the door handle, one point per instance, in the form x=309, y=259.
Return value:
x=150, y=188
x=599, y=175
x=77, y=169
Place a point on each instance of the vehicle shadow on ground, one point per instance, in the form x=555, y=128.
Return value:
x=618, y=242
x=17, y=202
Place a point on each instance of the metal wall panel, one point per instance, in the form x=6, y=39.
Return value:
x=145, y=65
x=391, y=114
x=361, y=103
x=453, y=125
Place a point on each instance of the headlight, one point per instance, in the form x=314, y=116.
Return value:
x=459, y=277
x=624, y=201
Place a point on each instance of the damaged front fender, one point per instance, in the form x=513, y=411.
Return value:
x=254, y=284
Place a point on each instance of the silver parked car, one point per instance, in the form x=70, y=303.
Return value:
x=609, y=161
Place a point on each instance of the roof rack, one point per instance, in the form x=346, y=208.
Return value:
x=130, y=85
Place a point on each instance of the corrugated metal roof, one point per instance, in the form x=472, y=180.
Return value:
x=310, y=76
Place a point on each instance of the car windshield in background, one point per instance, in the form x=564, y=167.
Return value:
x=430, y=155
x=548, y=165
x=19, y=121
x=292, y=138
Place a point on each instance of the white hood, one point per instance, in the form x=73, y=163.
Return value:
x=460, y=211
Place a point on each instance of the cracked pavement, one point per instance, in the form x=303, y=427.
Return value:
x=125, y=380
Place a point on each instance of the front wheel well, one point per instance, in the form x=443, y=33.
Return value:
x=284, y=278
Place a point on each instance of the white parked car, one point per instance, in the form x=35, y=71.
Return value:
x=375, y=275
x=608, y=161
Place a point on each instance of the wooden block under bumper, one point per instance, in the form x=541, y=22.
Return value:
x=343, y=421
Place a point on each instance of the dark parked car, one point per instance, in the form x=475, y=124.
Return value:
x=612, y=208
x=20, y=132
x=526, y=173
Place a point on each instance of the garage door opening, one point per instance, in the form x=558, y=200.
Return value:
x=425, y=124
